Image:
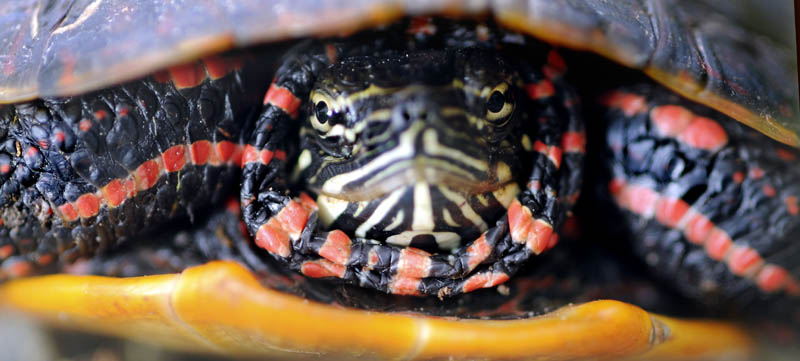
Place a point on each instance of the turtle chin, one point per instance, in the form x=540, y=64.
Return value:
x=419, y=212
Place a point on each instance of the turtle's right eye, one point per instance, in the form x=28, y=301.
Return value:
x=322, y=115
x=321, y=111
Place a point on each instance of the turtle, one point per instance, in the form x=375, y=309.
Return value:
x=428, y=156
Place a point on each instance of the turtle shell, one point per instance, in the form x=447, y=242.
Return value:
x=52, y=48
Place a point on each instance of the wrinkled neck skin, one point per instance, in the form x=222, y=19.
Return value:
x=418, y=148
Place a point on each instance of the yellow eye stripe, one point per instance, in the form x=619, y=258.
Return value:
x=340, y=102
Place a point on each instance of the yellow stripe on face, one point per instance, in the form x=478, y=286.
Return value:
x=386, y=206
x=432, y=146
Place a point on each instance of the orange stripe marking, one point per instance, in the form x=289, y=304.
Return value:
x=704, y=133
x=772, y=278
x=640, y=199
x=699, y=132
x=283, y=99
x=216, y=67
x=293, y=218
x=542, y=89
x=19, y=269
x=539, y=239
x=742, y=260
x=88, y=205
x=114, y=193
x=413, y=263
x=253, y=155
x=174, y=158
x=187, y=75
x=670, y=211
x=670, y=120
x=200, y=152
x=307, y=201
x=146, y=175
x=226, y=151
x=520, y=221
x=629, y=104
x=336, y=247
x=792, y=205
x=322, y=268
x=698, y=228
x=574, y=142
x=6, y=251
x=718, y=244
x=273, y=239
x=484, y=280
x=478, y=251
x=552, y=152
x=45, y=259
x=68, y=212
x=616, y=186
x=405, y=286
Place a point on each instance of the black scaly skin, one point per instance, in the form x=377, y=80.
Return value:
x=731, y=186
x=266, y=189
x=107, y=135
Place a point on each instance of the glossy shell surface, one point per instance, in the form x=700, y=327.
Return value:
x=56, y=48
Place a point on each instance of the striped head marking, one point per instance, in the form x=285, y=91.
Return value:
x=414, y=146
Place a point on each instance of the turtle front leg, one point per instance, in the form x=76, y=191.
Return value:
x=712, y=203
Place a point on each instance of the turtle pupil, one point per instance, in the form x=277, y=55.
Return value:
x=496, y=102
x=322, y=112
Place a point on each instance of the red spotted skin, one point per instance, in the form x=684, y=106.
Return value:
x=709, y=203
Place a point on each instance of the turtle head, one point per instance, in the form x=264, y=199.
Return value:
x=420, y=146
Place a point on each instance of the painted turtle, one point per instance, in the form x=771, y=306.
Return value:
x=425, y=156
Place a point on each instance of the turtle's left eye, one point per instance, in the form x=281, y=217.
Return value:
x=499, y=104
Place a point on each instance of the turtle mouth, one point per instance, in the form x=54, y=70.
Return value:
x=437, y=171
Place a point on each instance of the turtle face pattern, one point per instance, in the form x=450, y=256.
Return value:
x=413, y=149
x=419, y=160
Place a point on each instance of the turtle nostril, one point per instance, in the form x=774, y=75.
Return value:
x=406, y=116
